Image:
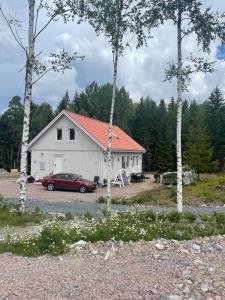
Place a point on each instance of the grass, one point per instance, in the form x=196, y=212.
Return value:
x=208, y=190
x=55, y=236
x=9, y=215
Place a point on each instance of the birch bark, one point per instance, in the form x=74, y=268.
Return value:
x=179, y=114
x=110, y=133
x=27, y=102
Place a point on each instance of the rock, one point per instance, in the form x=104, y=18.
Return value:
x=209, y=298
x=196, y=247
x=182, y=250
x=198, y=262
x=80, y=243
x=204, y=287
x=159, y=246
x=186, y=290
x=94, y=252
x=175, y=297
x=210, y=270
x=107, y=255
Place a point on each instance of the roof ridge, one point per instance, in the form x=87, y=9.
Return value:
x=87, y=117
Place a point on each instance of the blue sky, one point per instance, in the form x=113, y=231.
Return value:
x=140, y=71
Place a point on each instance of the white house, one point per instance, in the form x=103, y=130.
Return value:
x=78, y=144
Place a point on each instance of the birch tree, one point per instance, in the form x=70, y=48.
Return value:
x=190, y=18
x=120, y=21
x=34, y=70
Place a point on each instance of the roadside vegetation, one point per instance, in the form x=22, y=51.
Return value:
x=55, y=237
x=208, y=190
x=9, y=215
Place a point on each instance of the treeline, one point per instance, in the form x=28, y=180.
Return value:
x=151, y=124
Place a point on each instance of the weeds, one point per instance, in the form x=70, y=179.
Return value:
x=55, y=236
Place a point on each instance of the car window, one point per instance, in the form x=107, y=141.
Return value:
x=69, y=177
x=59, y=176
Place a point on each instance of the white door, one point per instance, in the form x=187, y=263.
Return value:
x=58, y=164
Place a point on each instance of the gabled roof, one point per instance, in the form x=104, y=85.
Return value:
x=98, y=132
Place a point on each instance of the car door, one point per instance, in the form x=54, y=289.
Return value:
x=69, y=182
x=59, y=181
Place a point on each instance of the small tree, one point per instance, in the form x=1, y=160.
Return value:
x=33, y=67
x=199, y=153
x=63, y=104
x=189, y=18
x=116, y=19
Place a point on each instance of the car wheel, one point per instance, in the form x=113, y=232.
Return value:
x=50, y=187
x=83, y=189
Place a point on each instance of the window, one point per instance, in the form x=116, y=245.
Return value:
x=133, y=161
x=42, y=165
x=59, y=134
x=71, y=134
x=123, y=162
x=128, y=161
x=136, y=160
x=59, y=176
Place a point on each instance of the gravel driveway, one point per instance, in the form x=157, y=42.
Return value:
x=157, y=270
x=10, y=189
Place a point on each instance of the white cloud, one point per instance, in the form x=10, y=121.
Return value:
x=140, y=71
x=53, y=86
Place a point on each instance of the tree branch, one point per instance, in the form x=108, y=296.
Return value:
x=12, y=31
x=37, y=14
x=42, y=75
x=46, y=25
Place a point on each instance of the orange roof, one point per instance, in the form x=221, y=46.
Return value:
x=99, y=131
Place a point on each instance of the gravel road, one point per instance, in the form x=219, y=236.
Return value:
x=156, y=270
x=79, y=207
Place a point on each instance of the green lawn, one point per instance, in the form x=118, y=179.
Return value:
x=209, y=189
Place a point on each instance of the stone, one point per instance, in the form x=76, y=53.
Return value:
x=80, y=243
x=196, y=247
x=204, y=287
x=175, y=297
x=198, y=262
x=186, y=290
x=159, y=246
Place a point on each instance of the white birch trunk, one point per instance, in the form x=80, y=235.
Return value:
x=27, y=102
x=179, y=116
x=110, y=135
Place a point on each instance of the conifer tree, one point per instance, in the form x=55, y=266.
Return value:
x=199, y=153
x=63, y=104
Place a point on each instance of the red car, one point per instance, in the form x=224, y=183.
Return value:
x=68, y=181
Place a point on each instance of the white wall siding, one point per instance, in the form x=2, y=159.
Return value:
x=117, y=163
x=48, y=140
x=85, y=163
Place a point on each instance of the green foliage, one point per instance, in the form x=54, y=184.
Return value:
x=11, y=123
x=199, y=153
x=9, y=215
x=55, y=237
x=63, y=104
x=215, y=114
